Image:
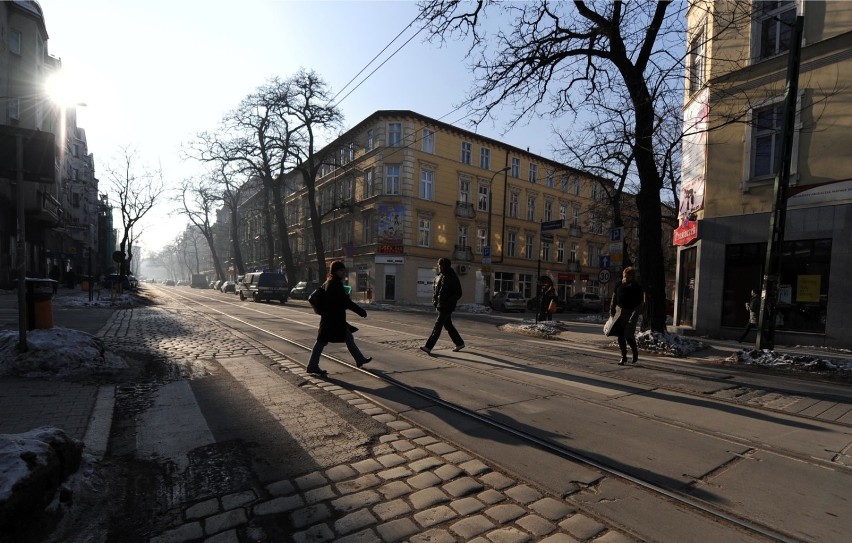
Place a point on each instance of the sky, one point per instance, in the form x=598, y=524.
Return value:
x=154, y=73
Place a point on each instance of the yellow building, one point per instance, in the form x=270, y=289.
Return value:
x=733, y=111
x=405, y=190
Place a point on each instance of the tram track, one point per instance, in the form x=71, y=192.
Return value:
x=548, y=445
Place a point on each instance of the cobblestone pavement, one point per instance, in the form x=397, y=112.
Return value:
x=404, y=485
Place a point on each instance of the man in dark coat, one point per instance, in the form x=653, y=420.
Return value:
x=446, y=295
x=333, y=327
x=625, y=307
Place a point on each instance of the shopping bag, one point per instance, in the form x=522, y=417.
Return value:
x=609, y=326
x=551, y=307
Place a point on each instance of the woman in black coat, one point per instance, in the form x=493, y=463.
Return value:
x=626, y=306
x=333, y=327
x=547, y=295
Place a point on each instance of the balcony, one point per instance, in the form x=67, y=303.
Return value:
x=42, y=206
x=463, y=254
x=465, y=210
x=573, y=266
x=575, y=230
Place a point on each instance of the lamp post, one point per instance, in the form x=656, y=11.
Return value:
x=490, y=213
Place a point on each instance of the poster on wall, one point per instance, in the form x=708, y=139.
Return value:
x=390, y=234
x=694, y=156
x=807, y=288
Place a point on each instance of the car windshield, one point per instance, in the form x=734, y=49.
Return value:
x=514, y=295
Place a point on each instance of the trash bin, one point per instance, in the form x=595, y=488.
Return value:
x=84, y=284
x=39, y=303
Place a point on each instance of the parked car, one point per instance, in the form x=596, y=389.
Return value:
x=169, y=282
x=133, y=282
x=508, y=301
x=584, y=301
x=259, y=286
x=228, y=286
x=115, y=278
x=217, y=284
x=303, y=289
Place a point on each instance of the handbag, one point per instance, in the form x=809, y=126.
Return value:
x=317, y=299
x=609, y=325
x=551, y=307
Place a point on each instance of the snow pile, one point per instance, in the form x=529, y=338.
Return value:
x=543, y=329
x=56, y=353
x=768, y=358
x=668, y=344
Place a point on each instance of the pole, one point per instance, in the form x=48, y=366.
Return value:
x=21, y=247
x=490, y=213
x=772, y=268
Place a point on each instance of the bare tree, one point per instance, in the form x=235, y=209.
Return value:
x=199, y=200
x=558, y=58
x=136, y=189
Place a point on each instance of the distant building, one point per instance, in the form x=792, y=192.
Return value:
x=404, y=189
x=735, y=82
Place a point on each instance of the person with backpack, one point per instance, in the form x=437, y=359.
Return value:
x=447, y=293
x=332, y=304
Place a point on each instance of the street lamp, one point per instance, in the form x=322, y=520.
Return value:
x=491, y=212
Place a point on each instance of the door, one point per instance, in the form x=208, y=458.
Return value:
x=390, y=287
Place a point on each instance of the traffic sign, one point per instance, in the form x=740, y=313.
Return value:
x=604, y=261
x=551, y=225
x=603, y=276
x=617, y=234
x=486, y=260
x=486, y=251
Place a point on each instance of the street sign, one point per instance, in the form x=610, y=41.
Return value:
x=603, y=276
x=616, y=248
x=486, y=251
x=604, y=261
x=617, y=234
x=547, y=237
x=551, y=225
x=486, y=260
x=486, y=269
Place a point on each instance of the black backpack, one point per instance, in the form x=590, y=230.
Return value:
x=317, y=299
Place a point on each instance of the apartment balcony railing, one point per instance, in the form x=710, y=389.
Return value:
x=575, y=230
x=573, y=266
x=465, y=210
x=463, y=253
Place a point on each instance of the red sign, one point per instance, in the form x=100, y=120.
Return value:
x=686, y=233
x=565, y=277
x=390, y=249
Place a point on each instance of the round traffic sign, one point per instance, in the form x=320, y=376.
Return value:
x=603, y=276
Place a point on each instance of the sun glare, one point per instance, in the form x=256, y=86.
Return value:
x=62, y=89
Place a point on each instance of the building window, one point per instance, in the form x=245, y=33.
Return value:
x=575, y=216
x=14, y=107
x=531, y=203
x=594, y=255
x=462, y=236
x=525, y=284
x=549, y=181
x=15, y=42
x=514, y=205
x=426, y=184
x=485, y=158
x=528, y=249
x=563, y=185
x=548, y=210
x=368, y=183
x=773, y=27
x=560, y=251
x=351, y=152
x=576, y=185
x=424, y=232
x=766, y=140
x=545, y=251
x=481, y=240
x=516, y=168
x=504, y=282
x=368, y=229
x=533, y=173
x=482, y=200
x=464, y=191
x=511, y=244
x=574, y=255
x=563, y=213
x=428, y=141
x=697, y=55
x=394, y=134
x=392, y=179
x=369, y=144
x=465, y=152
